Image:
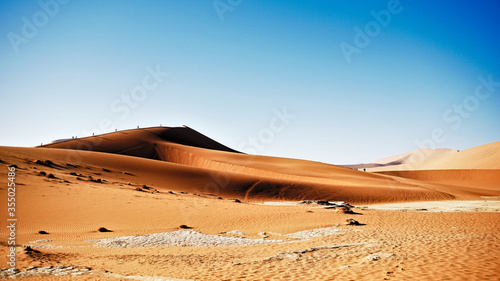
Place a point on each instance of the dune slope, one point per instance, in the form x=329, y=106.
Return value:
x=485, y=156
x=192, y=162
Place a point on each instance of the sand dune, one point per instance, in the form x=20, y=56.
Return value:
x=474, y=168
x=419, y=155
x=195, y=163
x=482, y=180
x=144, y=184
x=480, y=157
x=251, y=182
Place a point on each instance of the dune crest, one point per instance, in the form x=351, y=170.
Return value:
x=485, y=156
x=224, y=171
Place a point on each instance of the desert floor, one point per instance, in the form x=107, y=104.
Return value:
x=399, y=244
x=397, y=239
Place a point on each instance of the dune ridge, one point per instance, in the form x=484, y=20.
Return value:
x=169, y=205
x=419, y=155
x=485, y=156
x=227, y=172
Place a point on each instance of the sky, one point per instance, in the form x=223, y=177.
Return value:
x=338, y=82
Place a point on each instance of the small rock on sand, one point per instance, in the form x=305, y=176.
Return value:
x=352, y=222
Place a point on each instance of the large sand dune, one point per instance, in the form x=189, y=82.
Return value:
x=192, y=162
x=143, y=184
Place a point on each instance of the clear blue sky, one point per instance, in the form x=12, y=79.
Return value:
x=65, y=68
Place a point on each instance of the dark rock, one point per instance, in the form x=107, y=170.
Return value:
x=344, y=210
x=352, y=222
x=323, y=202
x=30, y=250
x=103, y=229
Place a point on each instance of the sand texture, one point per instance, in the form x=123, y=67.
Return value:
x=178, y=205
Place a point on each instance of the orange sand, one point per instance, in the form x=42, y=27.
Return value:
x=104, y=193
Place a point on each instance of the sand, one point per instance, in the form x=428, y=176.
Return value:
x=441, y=206
x=397, y=162
x=480, y=157
x=143, y=185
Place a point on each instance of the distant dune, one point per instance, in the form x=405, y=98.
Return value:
x=480, y=157
x=421, y=154
x=474, y=167
x=418, y=155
